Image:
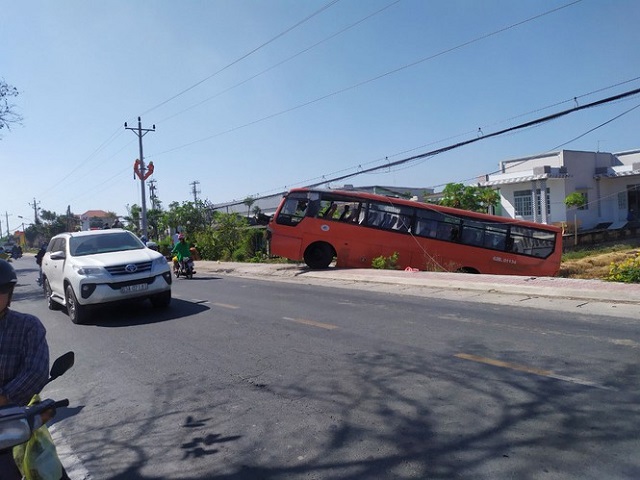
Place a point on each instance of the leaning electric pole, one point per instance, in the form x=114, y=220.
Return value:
x=195, y=191
x=140, y=169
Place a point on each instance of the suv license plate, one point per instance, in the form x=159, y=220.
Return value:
x=134, y=288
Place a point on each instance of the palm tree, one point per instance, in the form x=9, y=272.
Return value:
x=248, y=202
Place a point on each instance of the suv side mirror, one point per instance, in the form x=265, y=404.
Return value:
x=60, y=255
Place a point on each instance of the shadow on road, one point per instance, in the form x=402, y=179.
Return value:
x=141, y=313
x=392, y=416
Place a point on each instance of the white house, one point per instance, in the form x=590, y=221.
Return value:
x=610, y=183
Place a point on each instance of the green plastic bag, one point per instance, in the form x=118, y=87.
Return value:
x=37, y=459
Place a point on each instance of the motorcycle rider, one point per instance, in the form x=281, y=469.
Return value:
x=181, y=252
x=24, y=357
x=39, y=257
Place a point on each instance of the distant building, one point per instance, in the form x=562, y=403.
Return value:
x=534, y=188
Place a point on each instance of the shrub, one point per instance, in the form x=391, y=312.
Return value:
x=386, y=263
x=207, y=245
x=239, y=255
x=627, y=271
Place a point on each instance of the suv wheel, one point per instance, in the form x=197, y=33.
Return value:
x=161, y=300
x=51, y=303
x=77, y=313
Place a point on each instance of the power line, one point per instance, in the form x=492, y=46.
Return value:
x=438, y=151
x=295, y=55
x=372, y=79
x=281, y=34
x=477, y=39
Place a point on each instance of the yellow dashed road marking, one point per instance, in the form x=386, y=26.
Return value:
x=312, y=323
x=226, y=305
x=532, y=370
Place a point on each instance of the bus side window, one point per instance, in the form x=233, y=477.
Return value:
x=448, y=231
x=313, y=209
x=345, y=212
x=495, y=240
x=373, y=219
x=352, y=216
x=403, y=224
x=426, y=228
x=512, y=245
x=361, y=216
x=471, y=236
x=328, y=213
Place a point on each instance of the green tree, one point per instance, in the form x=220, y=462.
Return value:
x=476, y=199
x=133, y=217
x=249, y=201
x=575, y=200
x=230, y=232
x=192, y=216
x=50, y=224
x=154, y=219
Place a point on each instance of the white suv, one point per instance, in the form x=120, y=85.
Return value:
x=83, y=269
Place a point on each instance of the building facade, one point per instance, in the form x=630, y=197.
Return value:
x=534, y=188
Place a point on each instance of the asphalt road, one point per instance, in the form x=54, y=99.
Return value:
x=253, y=379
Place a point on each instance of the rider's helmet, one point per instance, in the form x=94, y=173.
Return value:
x=180, y=237
x=8, y=278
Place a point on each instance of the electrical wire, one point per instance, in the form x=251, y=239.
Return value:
x=251, y=52
x=369, y=80
x=433, y=153
x=272, y=67
x=326, y=6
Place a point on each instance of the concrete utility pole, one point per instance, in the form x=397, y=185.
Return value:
x=152, y=194
x=141, y=132
x=35, y=207
x=194, y=190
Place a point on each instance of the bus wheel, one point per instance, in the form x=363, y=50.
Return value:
x=318, y=255
x=467, y=270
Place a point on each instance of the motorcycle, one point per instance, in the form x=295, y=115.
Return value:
x=20, y=426
x=184, y=267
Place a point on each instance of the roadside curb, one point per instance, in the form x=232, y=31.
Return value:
x=550, y=287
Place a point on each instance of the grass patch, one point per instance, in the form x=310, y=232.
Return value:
x=595, y=262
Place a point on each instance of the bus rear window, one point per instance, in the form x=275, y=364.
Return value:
x=530, y=241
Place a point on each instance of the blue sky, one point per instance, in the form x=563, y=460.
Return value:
x=251, y=97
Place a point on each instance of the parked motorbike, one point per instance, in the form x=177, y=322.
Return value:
x=184, y=267
x=19, y=426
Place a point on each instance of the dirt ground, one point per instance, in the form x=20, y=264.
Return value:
x=596, y=265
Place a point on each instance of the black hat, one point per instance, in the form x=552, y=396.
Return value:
x=8, y=277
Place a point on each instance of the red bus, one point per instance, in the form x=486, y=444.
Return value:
x=353, y=228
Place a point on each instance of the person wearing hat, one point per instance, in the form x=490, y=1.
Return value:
x=181, y=251
x=24, y=357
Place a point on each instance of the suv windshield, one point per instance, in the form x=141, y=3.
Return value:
x=113, y=242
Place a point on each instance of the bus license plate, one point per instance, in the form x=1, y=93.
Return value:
x=134, y=288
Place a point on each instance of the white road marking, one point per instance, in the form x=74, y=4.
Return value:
x=72, y=464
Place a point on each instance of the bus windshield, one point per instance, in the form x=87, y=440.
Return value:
x=352, y=228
